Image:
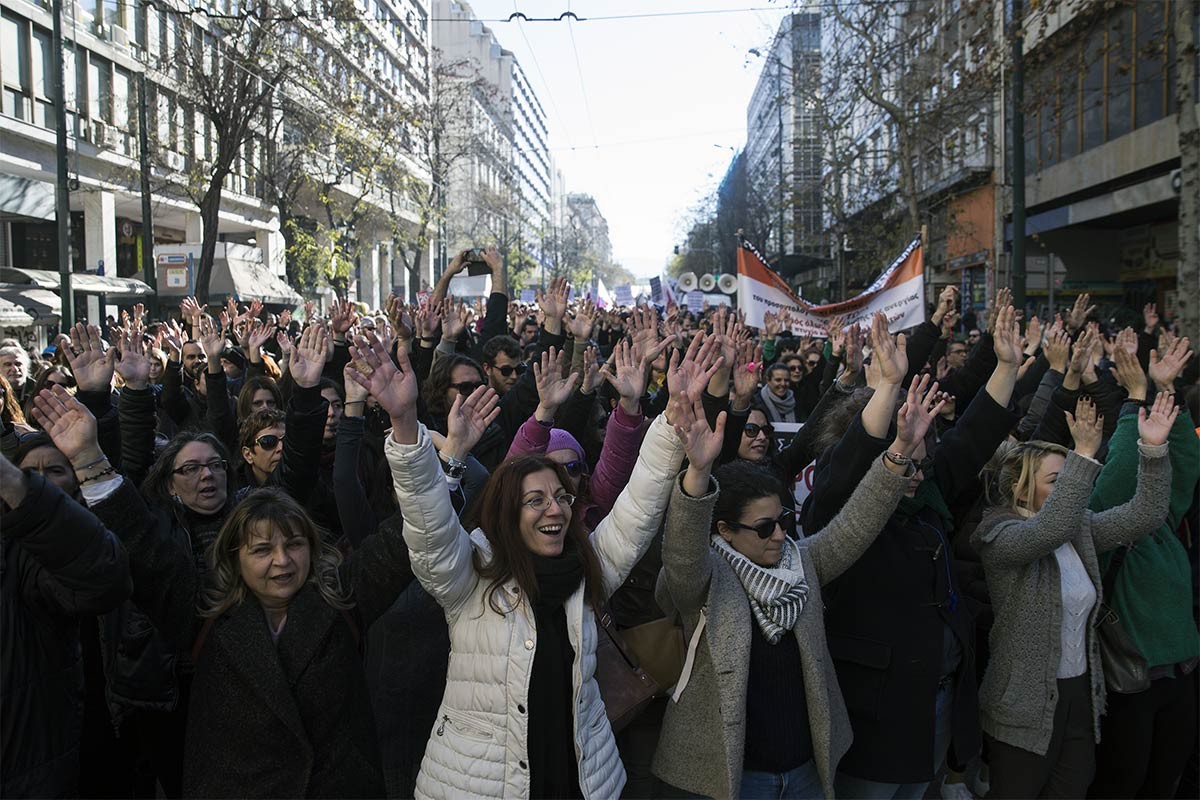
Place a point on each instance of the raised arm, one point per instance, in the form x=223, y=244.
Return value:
x=839, y=544
x=440, y=549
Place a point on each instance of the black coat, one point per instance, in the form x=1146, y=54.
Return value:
x=57, y=562
x=275, y=719
x=887, y=615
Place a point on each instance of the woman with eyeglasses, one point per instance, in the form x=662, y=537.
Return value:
x=522, y=714
x=278, y=705
x=595, y=492
x=750, y=597
x=901, y=634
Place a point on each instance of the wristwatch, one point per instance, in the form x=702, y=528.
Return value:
x=898, y=459
x=453, y=467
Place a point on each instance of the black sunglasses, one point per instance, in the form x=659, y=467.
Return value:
x=508, y=369
x=925, y=465
x=766, y=530
x=268, y=441
x=576, y=468
x=753, y=429
x=466, y=387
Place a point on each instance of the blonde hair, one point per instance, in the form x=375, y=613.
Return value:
x=1014, y=467
x=227, y=590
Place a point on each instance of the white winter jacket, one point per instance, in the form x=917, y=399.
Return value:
x=478, y=744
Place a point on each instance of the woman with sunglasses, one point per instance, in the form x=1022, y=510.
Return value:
x=595, y=492
x=453, y=376
x=759, y=714
x=522, y=714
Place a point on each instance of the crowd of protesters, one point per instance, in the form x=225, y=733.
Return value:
x=265, y=554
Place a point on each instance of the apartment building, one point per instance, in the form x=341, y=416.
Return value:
x=110, y=45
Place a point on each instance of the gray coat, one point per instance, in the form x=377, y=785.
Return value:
x=704, y=734
x=1020, y=690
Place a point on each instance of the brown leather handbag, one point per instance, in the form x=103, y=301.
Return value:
x=624, y=686
x=660, y=649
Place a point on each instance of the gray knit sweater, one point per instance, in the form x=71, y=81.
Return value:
x=703, y=736
x=1020, y=689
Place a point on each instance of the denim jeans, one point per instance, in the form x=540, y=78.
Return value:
x=801, y=783
x=848, y=786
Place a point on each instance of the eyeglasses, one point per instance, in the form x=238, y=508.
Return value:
x=796, y=367
x=813, y=364
x=268, y=441
x=541, y=502
x=466, y=387
x=753, y=429
x=576, y=468
x=509, y=369
x=925, y=465
x=192, y=468
x=766, y=530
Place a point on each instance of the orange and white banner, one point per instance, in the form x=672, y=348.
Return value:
x=899, y=292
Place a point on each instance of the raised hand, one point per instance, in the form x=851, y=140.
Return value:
x=258, y=335
x=285, y=318
x=1087, y=427
x=947, y=302
x=553, y=388
x=356, y=395
x=701, y=443
x=1033, y=335
x=212, y=341
x=747, y=367
x=1003, y=298
x=1081, y=353
x=172, y=337
x=1155, y=427
x=1058, y=349
x=308, y=360
x=1006, y=337
x=1150, y=317
x=889, y=355
x=1079, y=312
x=190, y=310
x=395, y=389
x=1129, y=373
x=554, y=301
x=1165, y=369
x=581, y=325
x=920, y=408
x=627, y=377
x=90, y=364
x=469, y=418
x=591, y=371
x=429, y=320
x=854, y=354
x=491, y=257
x=770, y=325
x=342, y=317
x=134, y=364
x=687, y=377
x=70, y=425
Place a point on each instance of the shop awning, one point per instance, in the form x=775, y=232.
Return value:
x=13, y=316
x=80, y=282
x=251, y=279
x=42, y=305
x=22, y=197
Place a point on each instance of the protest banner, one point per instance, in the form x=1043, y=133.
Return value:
x=695, y=301
x=624, y=295
x=898, y=292
x=528, y=296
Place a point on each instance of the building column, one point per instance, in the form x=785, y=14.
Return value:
x=193, y=227
x=273, y=247
x=387, y=272
x=100, y=231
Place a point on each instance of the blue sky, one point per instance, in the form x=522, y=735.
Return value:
x=643, y=112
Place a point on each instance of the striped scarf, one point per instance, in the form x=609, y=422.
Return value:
x=777, y=594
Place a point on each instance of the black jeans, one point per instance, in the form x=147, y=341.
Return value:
x=1146, y=739
x=1070, y=761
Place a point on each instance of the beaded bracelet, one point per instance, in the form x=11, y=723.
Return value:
x=99, y=475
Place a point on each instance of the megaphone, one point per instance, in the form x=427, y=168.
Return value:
x=687, y=282
x=707, y=282
x=727, y=283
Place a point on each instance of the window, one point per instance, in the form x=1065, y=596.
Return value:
x=1149, y=75
x=100, y=89
x=1120, y=74
x=14, y=68
x=121, y=99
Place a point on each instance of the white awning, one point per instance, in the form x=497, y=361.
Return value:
x=80, y=282
x=249, y=279
x=13, y=316
x=23, y=197
x=41, y=305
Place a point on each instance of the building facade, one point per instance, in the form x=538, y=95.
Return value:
x=109, y=46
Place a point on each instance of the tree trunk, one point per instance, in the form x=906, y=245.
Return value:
x=210, y=208
x=1188, y=280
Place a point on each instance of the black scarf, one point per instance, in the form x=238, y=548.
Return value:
x=553, y=770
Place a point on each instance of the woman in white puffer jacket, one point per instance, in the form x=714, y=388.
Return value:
x=522, y=714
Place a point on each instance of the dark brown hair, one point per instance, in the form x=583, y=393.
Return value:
x=251, y=387
x=258, y=422
x=500, y=511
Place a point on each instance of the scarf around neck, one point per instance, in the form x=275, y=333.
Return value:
x=776, y=594
x=778, y=410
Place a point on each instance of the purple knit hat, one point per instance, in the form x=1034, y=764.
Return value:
x=561, y=440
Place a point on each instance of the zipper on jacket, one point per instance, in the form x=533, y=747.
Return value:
x=441, y=731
